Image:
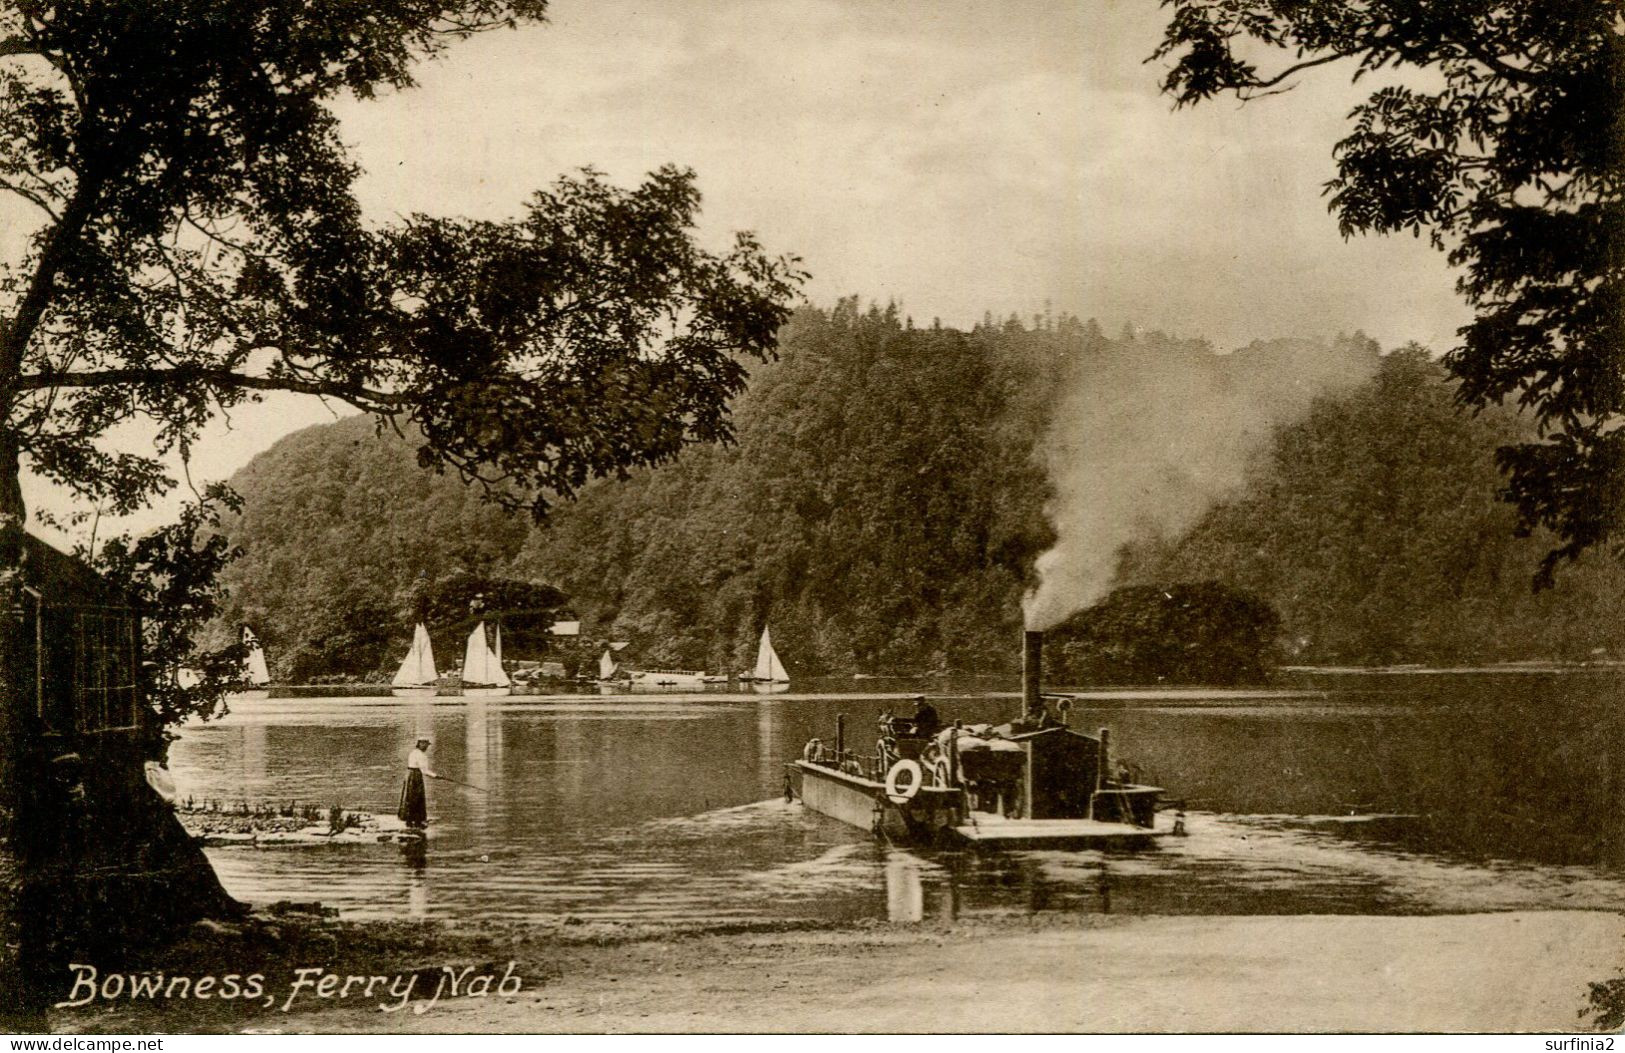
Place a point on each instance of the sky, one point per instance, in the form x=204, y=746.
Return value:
x=956, y=156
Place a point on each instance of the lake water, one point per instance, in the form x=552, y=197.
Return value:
x=1423, y=793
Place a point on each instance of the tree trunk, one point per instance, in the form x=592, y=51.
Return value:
x=23, y=998
x=25, y=907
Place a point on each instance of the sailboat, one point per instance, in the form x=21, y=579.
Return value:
x=256, y=680
x=608, y=669
x=769, y=670
x=416, y=675
x=482, y=666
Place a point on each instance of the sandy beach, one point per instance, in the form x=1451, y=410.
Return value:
x=1504, y=972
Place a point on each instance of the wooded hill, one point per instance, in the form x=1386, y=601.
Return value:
x=338, y=524
x=1371, y=527
x=883, y=508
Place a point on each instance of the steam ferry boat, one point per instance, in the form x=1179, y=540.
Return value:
x=1030, y=783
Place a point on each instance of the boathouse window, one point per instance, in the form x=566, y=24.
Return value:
x=85, y=662
x=105, y=669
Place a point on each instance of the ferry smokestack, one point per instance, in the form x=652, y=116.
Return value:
x=1032, y=671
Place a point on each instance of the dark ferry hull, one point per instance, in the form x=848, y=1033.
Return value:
x=862, y=802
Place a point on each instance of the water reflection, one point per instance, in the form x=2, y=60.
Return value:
x=769, y=744
x=482, y=763
x=415, y=854
x=252, y=768
x=1482, y=794
x=905, y=893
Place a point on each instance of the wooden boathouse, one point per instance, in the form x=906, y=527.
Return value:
x=105, y=862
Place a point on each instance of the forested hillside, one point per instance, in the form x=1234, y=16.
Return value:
x=338, y=525
x=883, y=508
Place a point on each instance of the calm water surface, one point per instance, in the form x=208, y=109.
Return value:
x=1420, y=793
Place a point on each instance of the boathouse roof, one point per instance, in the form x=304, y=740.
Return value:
x=65, y=580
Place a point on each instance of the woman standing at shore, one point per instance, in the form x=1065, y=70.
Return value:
x=414, y=809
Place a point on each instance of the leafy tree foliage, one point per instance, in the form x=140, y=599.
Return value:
x=358, y=629
x=461, y=599
x=350, y=636
x=1510, y=153
x=173, y=574
x=1605, y=1004
x=1201, y=633
x=881, y=510
x=198, y=243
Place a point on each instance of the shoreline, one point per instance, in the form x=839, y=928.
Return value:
x=1524, y=971
x=567, y=690
x=1418, y=669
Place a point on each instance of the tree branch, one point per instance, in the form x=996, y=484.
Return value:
x=361, y=397
x=18, y=46
x=1296, y=68
x=1499, y=65
x=30, y=196
x=19, y=330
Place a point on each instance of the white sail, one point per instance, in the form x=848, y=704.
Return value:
x=418, y=667
x=606, y=665
x=768, y=667
x=499, y=676
x=480, y=665
x=474, y=656
x=254, y=670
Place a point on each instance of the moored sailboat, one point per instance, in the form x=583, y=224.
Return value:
x=482, y=666
x=416, y=675
x=256, y=679
x=768, y=670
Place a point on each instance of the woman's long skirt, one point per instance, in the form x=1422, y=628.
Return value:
x=414, y=810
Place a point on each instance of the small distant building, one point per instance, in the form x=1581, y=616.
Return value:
x=565, y=629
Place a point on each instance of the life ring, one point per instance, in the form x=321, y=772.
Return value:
x=813, y=752
x=899, y=791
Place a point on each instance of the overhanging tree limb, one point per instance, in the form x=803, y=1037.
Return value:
x=361, y=397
